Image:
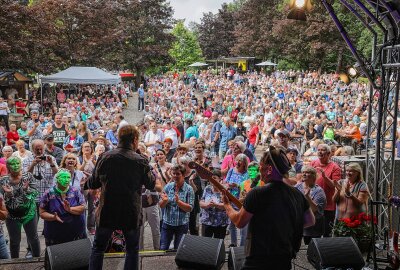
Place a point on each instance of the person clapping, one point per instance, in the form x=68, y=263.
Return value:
x=62, y=209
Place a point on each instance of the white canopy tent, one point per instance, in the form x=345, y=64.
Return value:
x=198, y=64
x=266, y=63
x=79, y=75
x=82, y=75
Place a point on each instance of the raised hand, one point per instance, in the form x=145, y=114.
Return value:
x=337, y=185
x=7, y=189
x=224, y=198
x=25, y=186
x=57, y=218
x=164, y=197
x=67, y=206
x=49, y=160
x=176, y=197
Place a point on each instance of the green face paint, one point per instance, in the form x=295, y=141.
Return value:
x=14, y=164
x=63, y=178
x=253, y=172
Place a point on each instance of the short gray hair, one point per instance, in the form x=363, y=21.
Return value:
x=243, y=158
x=310, y=169
x=324, y=145
x=7, y=147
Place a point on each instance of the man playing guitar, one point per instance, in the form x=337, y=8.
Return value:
x=276, y=213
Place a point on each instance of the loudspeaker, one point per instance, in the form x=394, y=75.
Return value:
x=236, y=258
x=196, y=252
x=334, y=252
x=70, y=255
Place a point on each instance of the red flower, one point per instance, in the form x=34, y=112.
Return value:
x=351, y=225
x=346, y=220
x=362, y=216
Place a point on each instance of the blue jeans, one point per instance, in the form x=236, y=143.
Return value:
x=233, y=233
x=100, y=242
x=168, y=231
x=252, y=148
x=3, y=248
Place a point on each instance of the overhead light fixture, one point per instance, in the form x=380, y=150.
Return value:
x=298, y=9
x=352, y=72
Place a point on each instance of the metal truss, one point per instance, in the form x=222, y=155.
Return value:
x=383, y=73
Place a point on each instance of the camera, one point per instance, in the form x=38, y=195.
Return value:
x=38, y=176
x=36, y=120
x=43, y=157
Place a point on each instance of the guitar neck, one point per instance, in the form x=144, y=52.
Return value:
x=208, y=175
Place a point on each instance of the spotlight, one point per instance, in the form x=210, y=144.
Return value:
x=352, y=72
x=298, y=9
x=299, y=3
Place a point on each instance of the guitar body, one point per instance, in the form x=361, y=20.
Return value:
x=207, y=175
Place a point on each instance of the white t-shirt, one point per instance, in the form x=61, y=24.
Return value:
x=152, y=137
x=4, y=111
x=171, y=133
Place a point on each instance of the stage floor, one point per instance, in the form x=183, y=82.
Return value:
x=148, y=261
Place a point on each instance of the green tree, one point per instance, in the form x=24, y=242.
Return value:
x=216, y=33
x=185, y=49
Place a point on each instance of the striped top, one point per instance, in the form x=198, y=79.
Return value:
x=173, y=215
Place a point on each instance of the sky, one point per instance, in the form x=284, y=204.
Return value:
x=192, y=10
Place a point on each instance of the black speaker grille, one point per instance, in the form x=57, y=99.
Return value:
x=200, y=252
x=71, y=255
x=334, y=252
x=236, y=258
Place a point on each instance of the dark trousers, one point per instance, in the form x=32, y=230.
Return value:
x=193, y=223
x=141, y=103
x=5, y=118
x=214, y=231
x=168, y=232
x=14, y=231
x=100, y=243
x=329, y=218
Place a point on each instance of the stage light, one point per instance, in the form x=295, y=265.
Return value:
x=298, y=9
x=352, y=72
x=300, y=3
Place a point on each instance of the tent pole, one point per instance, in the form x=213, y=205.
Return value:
x=41, y=96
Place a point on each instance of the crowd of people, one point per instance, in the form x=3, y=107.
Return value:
x=224, y=122
x=46, y=161
x=220, y=121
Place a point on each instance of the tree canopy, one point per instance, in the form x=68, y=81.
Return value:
x=185, y=49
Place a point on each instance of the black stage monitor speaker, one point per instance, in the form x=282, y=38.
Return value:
x=196, y=252
x=334, y=252
x=236, y=258
x=70, y=255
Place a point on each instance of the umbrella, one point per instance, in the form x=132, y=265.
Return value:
x=198, y=64
x=266, y=63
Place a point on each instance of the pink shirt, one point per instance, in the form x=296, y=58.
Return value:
x=333, y=172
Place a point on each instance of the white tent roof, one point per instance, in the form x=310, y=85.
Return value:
x=266, y=63
x=82, y=75
x=198, y=64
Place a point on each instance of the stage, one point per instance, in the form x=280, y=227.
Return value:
x=148, y=261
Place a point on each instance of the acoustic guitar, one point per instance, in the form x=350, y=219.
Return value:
x=208, y=175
